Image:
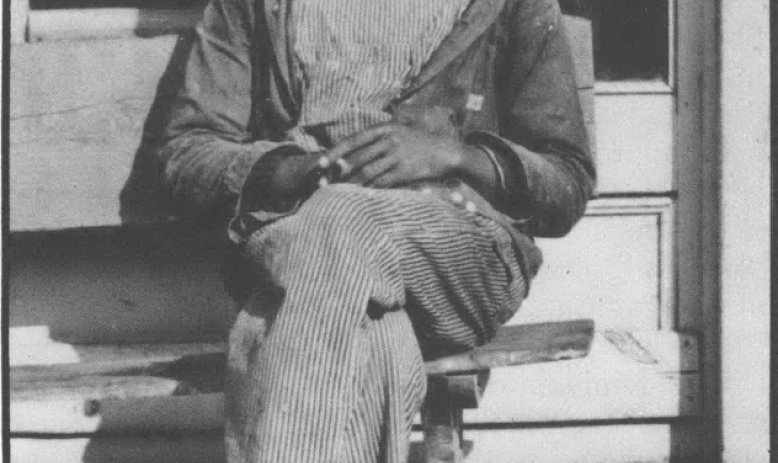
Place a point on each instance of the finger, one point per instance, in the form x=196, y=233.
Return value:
x=373, y=170
x=403, y=173
x=368, y=154
x=390, y=178
x=358, y=140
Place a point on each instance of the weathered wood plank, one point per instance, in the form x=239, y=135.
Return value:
x=20, y=11
x=521, y=345
x=191, y=374
x=57, y=77
x=39, y=350
x=92, y=23
x=93, y=389
x=606, y=385
x=514, y=345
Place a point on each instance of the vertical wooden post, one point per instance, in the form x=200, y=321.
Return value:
x=20, y=10
x=744, y=221
x=442, y=423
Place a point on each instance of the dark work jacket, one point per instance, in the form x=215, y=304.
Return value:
x=505, y=73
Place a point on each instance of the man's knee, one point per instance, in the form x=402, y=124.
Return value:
x=342, y=206
x=334, y=217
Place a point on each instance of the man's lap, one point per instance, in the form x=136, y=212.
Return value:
x=452, y=269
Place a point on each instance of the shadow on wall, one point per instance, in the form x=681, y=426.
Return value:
x=144, y=197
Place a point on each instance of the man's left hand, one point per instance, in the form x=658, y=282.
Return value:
x=401, y=154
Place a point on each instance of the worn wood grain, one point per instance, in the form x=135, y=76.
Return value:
x=42, y=351
x=91, y=23
x=513, y=345
x=522, y=344
x=608, y=384
x=20, y=11
x=56, y=77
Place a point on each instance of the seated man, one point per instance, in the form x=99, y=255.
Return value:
x=386, y=164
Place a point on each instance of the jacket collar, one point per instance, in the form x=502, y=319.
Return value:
x=476, y=20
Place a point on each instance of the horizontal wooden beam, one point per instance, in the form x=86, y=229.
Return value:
x=611, y=383
x=92, y=23
x=521, y=345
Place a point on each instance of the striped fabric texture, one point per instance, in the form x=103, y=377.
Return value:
x=357, y=287
x=357, y=55
x=353, y=292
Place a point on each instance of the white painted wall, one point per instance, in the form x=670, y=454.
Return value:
x=745, y=229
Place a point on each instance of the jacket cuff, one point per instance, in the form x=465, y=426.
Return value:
x=243, y=163
x=256, y=206
x=516, y=200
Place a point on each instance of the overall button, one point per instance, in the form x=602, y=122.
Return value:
x=457, y=197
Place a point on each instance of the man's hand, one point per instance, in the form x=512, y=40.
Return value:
x=394, y=154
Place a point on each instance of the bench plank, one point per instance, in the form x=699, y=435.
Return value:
x=521, y=345
x=606, y=385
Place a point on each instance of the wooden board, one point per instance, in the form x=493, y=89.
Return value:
x=77, y=114
x=609, y=384
x=91, y=23
x=522, y=345
x=59, y=77
x=513, y=345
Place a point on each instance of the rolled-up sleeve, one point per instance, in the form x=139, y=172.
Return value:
x=206, y=149
x=542, y=137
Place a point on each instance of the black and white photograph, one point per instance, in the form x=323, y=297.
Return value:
x=386, y=231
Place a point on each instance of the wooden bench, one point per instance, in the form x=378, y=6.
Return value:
x=77, y=113
x=154, y=371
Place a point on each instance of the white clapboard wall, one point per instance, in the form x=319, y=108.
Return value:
x=91, y=284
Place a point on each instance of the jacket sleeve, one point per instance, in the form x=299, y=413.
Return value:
x=542, y=139
x=206, y=147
